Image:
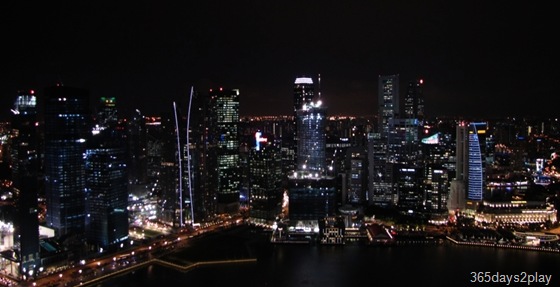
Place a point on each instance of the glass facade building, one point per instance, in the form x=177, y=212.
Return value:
x=106, y=179
x=476, y=160
x=311, y=123
x=25, y=163
x=265, y=176
x=107, y=196
x=388, y=101
x=224, y=109
x=67, y=127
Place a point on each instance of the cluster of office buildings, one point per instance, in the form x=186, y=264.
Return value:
x=309, y=171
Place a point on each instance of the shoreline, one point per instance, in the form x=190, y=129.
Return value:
x=190, y=257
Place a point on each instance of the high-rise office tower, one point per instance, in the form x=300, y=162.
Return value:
x=67, y=127
x=357, y=175
x=224, y=114
x=169, y=172
x=199, y=186
x=106, y=179
x=380, y=172
x=402, y=159
x=388, y=101
x=137, y=150
x=265, y=176
x=477, y=161
x=436, y=184
x=381, y=191
x=467, y=190
x=312, y=194
x=106, y=112
x=457, y=194
x=414, y=100
x=304, y=94
x=311, y=123
x=154, y=150
x=25, y=174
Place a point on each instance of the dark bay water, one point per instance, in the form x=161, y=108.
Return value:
x=358, y=265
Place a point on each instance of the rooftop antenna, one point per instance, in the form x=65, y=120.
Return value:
x=319, y=85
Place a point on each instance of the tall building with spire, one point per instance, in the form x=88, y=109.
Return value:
x=67, y=128
x=304, y=94
x=312, y=194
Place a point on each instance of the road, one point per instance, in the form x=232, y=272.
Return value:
x=125, y=260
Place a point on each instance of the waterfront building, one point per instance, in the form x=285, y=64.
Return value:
x=265, y=180
x=311, y=198
x=312, y=194
x=67, y=128
x=355, y=192
x=332, y=230
x=476, y=162
x=380, y=173
x=515, y=213
x=436, y=188
x=470, y=167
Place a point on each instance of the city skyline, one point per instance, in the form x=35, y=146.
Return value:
x=476, y=60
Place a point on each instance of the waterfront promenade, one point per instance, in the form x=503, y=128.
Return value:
x=229, y=246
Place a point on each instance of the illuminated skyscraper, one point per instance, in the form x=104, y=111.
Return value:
x=106, y=180
x=414, y=100
x=67, y=127
x=304, y=93
x=311, y=123
x=224, y=114
x=388, y=101
x=476, y=156
x=470, y=166
x=265, y=174
x=312, y=194
x=25, y=175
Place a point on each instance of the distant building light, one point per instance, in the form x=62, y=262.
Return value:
x=303, y=81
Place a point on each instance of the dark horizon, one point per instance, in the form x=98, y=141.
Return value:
x=477, y=59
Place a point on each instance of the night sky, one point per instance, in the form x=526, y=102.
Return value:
x=477, y=58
